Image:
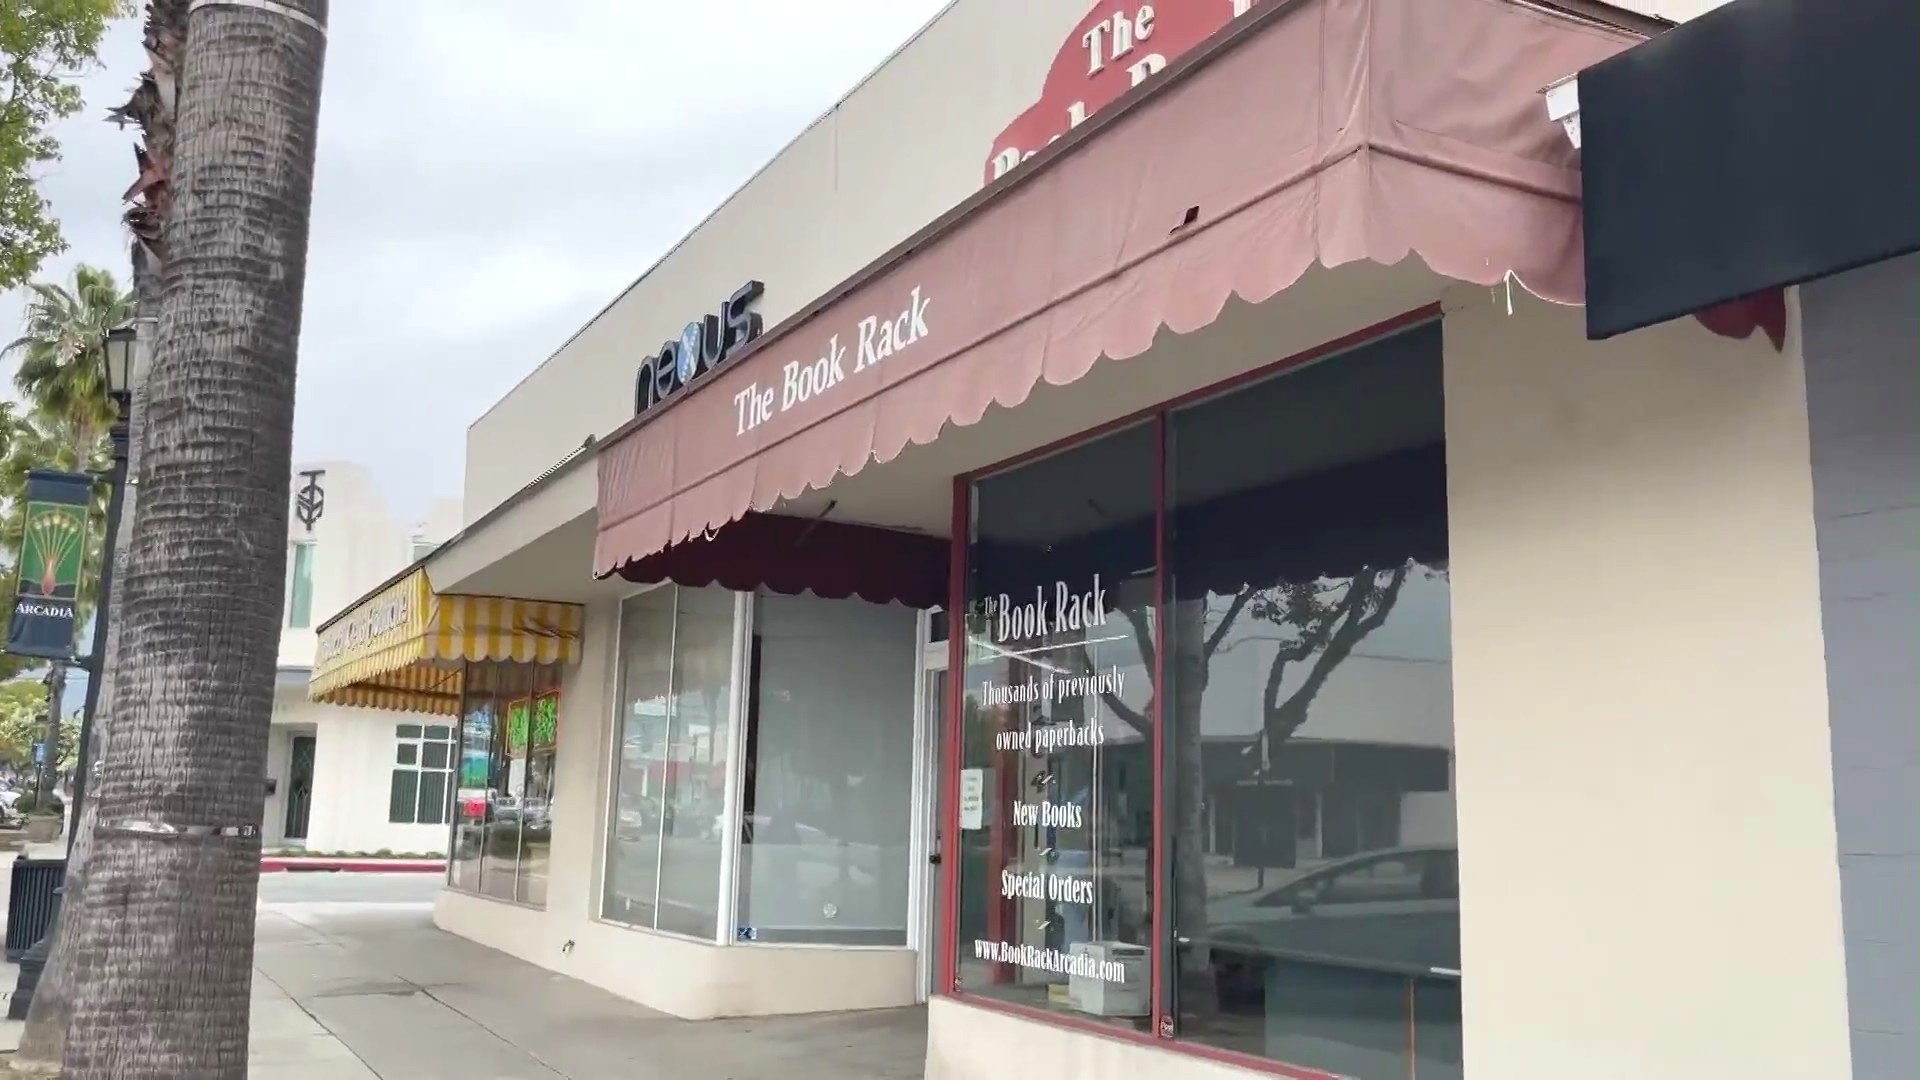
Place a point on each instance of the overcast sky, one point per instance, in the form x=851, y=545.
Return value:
x=489, y=179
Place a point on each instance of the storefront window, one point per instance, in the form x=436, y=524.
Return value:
x=700, y=717
x=1263, y=573
x=663, y=866
x=503, y=805
x=1315, y=914
x=1056, y=781
x=828, y=797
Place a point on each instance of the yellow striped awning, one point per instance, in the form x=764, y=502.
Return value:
x=405, y=647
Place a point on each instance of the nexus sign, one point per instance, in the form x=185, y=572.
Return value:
x=704, y=345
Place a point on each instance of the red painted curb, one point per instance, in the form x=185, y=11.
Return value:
x=350, y=866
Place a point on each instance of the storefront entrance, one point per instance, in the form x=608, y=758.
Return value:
x=930, y=764
x=299, y=788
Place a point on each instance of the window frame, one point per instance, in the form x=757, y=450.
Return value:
x=299, y=614
x=547, y=682
x=419, y=743
x=1163, y=968
x=729, y=861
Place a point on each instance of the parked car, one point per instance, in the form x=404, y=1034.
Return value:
x=1395, y=909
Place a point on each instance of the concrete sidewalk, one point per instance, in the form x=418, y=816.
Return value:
x=350, y=991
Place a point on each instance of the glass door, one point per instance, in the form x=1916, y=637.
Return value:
x=929, y=849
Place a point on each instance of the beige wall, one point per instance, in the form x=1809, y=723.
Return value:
x=1673, y=10
x=352, y=771
x=965, y=1042
x=1647, y=853
x=707, y=980
x=905, y=146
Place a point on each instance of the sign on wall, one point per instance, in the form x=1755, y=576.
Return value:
x=1112, y=49
x=310, y=499
x=705, y=344
x=53, y=548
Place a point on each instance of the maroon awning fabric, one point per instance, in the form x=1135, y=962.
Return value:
x=791, y=555
x=1323, y=131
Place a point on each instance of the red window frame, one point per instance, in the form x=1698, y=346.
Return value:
x=1161, y=1033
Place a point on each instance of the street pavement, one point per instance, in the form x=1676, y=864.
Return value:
x=352, y=981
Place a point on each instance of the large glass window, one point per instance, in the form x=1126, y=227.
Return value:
x=1237, y=610
x=828, y=798
x=503, y=803
x=664, y=844
x=1056, y=782
x=1315, y=913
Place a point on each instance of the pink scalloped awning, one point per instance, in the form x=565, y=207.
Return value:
x=1326, y=131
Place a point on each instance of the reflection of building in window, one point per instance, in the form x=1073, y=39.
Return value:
x=503, y=809
x=827, y=796
x=422, y=774
x=1292, y=634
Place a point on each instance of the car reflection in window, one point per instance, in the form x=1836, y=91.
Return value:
x=1396, y=909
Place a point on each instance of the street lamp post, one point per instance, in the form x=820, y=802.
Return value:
x=119, y=355
x=121, y=345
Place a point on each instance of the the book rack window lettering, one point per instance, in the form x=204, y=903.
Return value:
x=1221, y=637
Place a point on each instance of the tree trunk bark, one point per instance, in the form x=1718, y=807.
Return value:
x=48, y=780
x=1195, y=992
x=165, y=950
x=43, y=1042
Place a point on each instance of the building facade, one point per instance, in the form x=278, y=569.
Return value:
x=1767, y=183
x=1120, y=534
x=331, y=770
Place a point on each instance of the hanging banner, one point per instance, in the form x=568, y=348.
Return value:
x=53, y=547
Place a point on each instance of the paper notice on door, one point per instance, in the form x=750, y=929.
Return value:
x=973, y=798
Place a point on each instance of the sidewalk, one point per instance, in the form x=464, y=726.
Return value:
x=353, y=991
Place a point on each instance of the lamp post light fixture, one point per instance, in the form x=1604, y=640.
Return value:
x=119, y=358
x=119, y=363
x=122, y=343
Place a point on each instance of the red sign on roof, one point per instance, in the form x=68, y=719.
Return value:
x=1114, y=48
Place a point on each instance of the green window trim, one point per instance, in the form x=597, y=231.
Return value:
x=300, y=592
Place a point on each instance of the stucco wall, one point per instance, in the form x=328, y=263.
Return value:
x=903, y=147
x=1647, y=858
x=1862, y=339
x=353, y=765
x=357, y=544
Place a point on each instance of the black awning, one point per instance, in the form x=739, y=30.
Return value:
x=1766, y=143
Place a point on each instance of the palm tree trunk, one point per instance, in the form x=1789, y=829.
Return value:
x=43, y=1042
x=165, y=982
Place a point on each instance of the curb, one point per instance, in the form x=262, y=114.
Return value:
x=352, y=866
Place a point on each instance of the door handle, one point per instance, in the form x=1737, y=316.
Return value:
x=934, y=859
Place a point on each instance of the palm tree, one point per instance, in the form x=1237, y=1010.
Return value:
x=152, y=108
x=162, y=988
x=61, y=373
